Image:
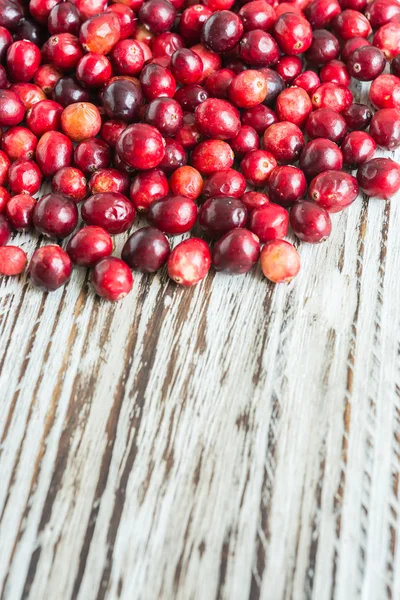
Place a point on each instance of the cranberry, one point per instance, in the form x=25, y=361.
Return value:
x=67, y=91
x=212, y=156
x=259, y=49
x=122, y=100
x=4, y=166
x=55, y=215
x=289, y=67
x=80, y=121
x=280, y=261
x=357, y=116
x=310, y=222
x=293, y=33
x=70, y=182
x=285, y=141
x=44, y=116
x=41, y=9
x=53, y=152
x=226, y=183
x=187, y=181
x=387, y=39
x=188, y=136
x=146, y=250
x=269, y=222
x=12, y=260
x=286, y=185
x=366, y=63
x=253, y=200
x=158, y=15
x=89, y=8
x=186, y=66
x=89, y=245
x=64, y=18
x=147, y=187
x=141, y=146
x=174, y=156
x=385, y=91
x=236, y=252
x=192, y=21
x=257, y=14
x=144, y=37
x=93, y=70
x=189, y=262
x=127, y=57
x=25, y=177
x=324, y=48
x=222, y=31
x=333, y=190
x=10, y=15
x=395, y=65
x=245, y=141
x=380, y=12
x=351, y=45
x=350, y=23
x=326, y=123
x=165, y=114
x=308, y=80
x=275, y=85
x=257, y=166
x=217, y=119
x=19, y=142
x=109, y=210
x=217, y=83
x=321, y=12
x=31, y=31
x=12, y=110
x=354, y=4
x=50, y=267
x=109, y=180
x=4, y=198
x=320, y=155
x=19, y=211
x=28, y=93
x=174, y=215
x=164, y=45
x=100, y=33
x=5, y=230
x=156, y=82
x=357, y=147
x=191, y=96
x=293, y=105
x=63, y=51
x=332, y=95
x=259, y=117
x=5, y=42
x=111, y=130
x=379, y=177
x=92, y=155
x=112, y=279
x=385, y=128
x=221, y=214
x=23, y=59
x=216, y=5
x=127, y=19
x=335, y=71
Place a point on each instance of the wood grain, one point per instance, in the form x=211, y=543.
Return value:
x=233, y=441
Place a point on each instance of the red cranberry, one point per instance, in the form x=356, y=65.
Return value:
x=221, y=214
x=320, y=155
x=4, y=166
x=269, y=222
x=158, y=15
x=333, y=190
x=247, y=89
x=109, y=180
x=350, y=23
x=385, y=91
x=332, y=95
x=257, y=166
x=354, y=4
x=5, y=230
x=286, y=185
x=23, y=59
x=222, y=31
x=64, y=18
x=379, y=177
x=186, y=66
x=92, y=155
x=174, y=215
x=321, y=12
x=380, y=12
x=4, y=198
x=217, y=83
x=308, y=80
x=280, y=261
x=28, y=93
x=217, y=119
x=111, y=130
x=122, y=100
x=127, y=57
x=395, y=65
x=89, y=245
x=44, y=116
x=285, y=141
x=212, y=156
x=236, y=252
x=50, y=267
x=311, y=223
x=293, y=33
x=253, y=200
x=217, y=5
x=127, y=19
x=164, y=45
x=385, y=128
x=12, y=110
x=67, y=91
x=191, y=96
x=257, y=14
x=189, y=262
x=188, y=136
x=275, y=85
x=53, y=152
x=335, y=71
x=112, y=279
x=226, y=183
x=192, y=21
x=147, y=187
x=351, y=45
x=93, y=70
x=12, y=260
x=387, y=39
x=90, y=8
x=187, y=181
x=63, y=51
x=324, y=48
x=109, y=210
x=146, y=250
x=174, y=156
x=25, y=177
x=245, y=141
x=326, y=123
x=46, y=78
x=100, y=33
x=55, y=215
x=5, y=41
x=19, y=143
x=141, y=146
x=366, y=63
x=357, y=116
x=156, y=82
x=289, y=67
x=69, y=182
x=41, y=9
x=357, y=147
x=165, y=114
x=259, y=49
x=259, y=117
x=19, y=211
x=293, y=105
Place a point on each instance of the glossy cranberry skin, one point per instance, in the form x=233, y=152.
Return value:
x=10, y=15
x=146, y=250
x=366, y=63
x=332, y=95
x=289, y=67
x=165, y=114
x=275, y=85
x=174, y=156
x=284, y=141
x=217, y=83
x=221, y=214
x=122, y=100
x=385, y=128
x=253, y=200
x=19, y=211
x=380, y=12
x=310, y=222
x=320, y=155
x=4, y=166
x=23, y=59
x=222, y=31
x=387, y=39
x=163, y=46
x=67, y=91
x=89, y=245
x=158, y=15
x=5, y=41
x=257, y=165
x=189, y=262
x=24, y=177
x=12, y=260
x=269, y=222
x=186, y=66
x=112, y=279
x=127, y=19
x=141, y=146
x=109, y=180
x=217, y=119
x=63, y=51
x=53, y=152
x=64, y=18
x=385, y=91
x=111, y=130
x=89, y=8
x=50, y=267
x=351, y=45
x=55, y=215
x=44, y=116
x=188, y=136
x=259, y=117
x=109, y=210
x=246, y=140
x=259, y=49
x=379, y=178
x=186, y=181
x=19, y=143
x=211, y=60
x=93, y=70
x=100, y=33
x=286, y=185
x=293, y=105
x=227, y=183
x=28, y=93
x=280, y=261
x=350, y=23
x=324, y=48
x=12, y=110
x=326, y=123
x=5, y=230
x=335, y=71
x=357, y=147
x=257, y=14
x=212, y=156
x=293, y=33
x=80, y=121
x=4, y=198
x=357, y=116
x=321, y=12
x=31, y=31
x=173, y=215
x=156, y=82
x=191, y=96
x=333, y=190
x=71, y=182
x=127, y=57
x=147, y=187
x=236, y=252
x=192, y=21
x=92, y=155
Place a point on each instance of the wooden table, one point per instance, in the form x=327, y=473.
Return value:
x=232, y=441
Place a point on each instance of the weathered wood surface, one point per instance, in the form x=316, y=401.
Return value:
x=233, y=441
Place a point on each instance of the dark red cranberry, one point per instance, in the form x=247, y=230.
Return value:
x=222, y=31
x=387, y=39
x=4, y=166
x=379, y=178
x=122, y=100
x=89, y=245
x=320, y=155
x=186, y=181
x=5, y=42
x=186, y=66
x=285, y=141
x=333, y=190
x=217, y=119
x=189, y=262
x=112, y=279
x=127, y=19
x=258, y=117
x=19, y=142
x=253, y=200
x=19, y=211
x=259, y=49
x=156, y=82
x=127, y=57
x=227, y=183
x=63, y=51
x=5, y=230
x=269, y=222
x=212, y=156
x=141, y=146
x=309, y=81
x=257, y=14
x=53, y=152
x=351, y=45
x=385, y=91
x=10, y=14
x=70, y=182
x=12, y=110
x=146, y=250
x=380, y=12
x=110, y=210
x=257, y=165
x=4, y=198
x=100, y=33
x=120, y=165
x=174, y=156
x=332, y=95
x=67, y=91
x=286, y=185
x=293, y=33
x=245, y=141
x=350, y=23
x=280, y=261
x=64, y=18
x=321, y=12
x=147, y=187
x=289, y=67
x=221, y=214
x=111, y=130
x=293, y=105
x=44, y=116
x=357, y=147
x=55, y=215
x=25, y=177
x=32, y=31
x=357, y=116
x=93, y=70
x=109, y=180
x=191, y=96
x=236, y=252
x=275, y=85
x=192, y=21
x=188, y=136
x=23, y=59
x=166, y=44
x=385, y=128
x=12, y=260
x=92, y=155
x=217, y=83
x=358, y=5
x=326, y=123
x=310, y=222
x=89, y=8
x=165, y=114
x=324, y=48
x=158, y=15
x=335, y=71
x=366, y=63
x=50, y=267
x=174, y=215
x=395, y=65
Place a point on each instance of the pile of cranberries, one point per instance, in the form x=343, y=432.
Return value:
x=232, y=120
